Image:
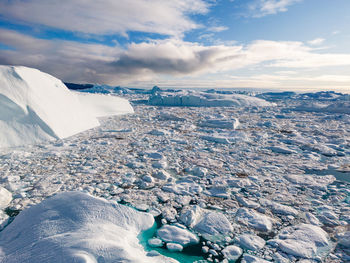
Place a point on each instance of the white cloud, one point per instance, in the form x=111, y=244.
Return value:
x=170, y=58
x=262, y=8
x=316, y=41
x=217, y=28
x=107, y=16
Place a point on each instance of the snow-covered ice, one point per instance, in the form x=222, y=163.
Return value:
x=204, y=99
x=254, y=219
x=251, y=242
x=5, y=197
x=35, y=106
x=232, y=252
x=76, y=227
x=277, y=181
x=306, y=241
x=174, y=234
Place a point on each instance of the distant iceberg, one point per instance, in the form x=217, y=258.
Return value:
x=35, y=106
x=204, y=99
x=335, y=107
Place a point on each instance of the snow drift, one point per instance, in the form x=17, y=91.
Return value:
x=76, y=227
x=35, y=106
x=203, y=99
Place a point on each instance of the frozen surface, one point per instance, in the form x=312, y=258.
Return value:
x=232, y=252
x=254, y=219
x=76, y=227
x=100, y=105
x=251, y=242
x=203, y=99
x=5, y=197
x=307, y=241
x=277, y=171
x=35, y=106
x=174, y=234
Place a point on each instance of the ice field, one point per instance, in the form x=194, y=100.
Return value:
x=172, y=176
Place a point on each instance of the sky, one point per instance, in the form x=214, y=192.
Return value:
x=301, y=45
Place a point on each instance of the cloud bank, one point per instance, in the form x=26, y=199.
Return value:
x=262, y=8
x=107, y=16
x=79, y=62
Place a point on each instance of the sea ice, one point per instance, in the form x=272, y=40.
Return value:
x=304, y=240
x=254, y=219
x=279, y=208
x=174, y=234
x=5, y=197
x=251, y=242
x=213, y=225
x=252, y=259
x=232, y=253
x=76, y=227
x=219, y=124
x=344, y=239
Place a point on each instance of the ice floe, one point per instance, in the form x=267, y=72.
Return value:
x=254, y=219
x=306, y=241
x=72, y=227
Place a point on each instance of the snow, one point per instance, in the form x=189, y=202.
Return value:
x=281, y=149
x=174, y=247
x=251, y=242
x=232, y=253
x=254, y=219
x=279, y=208
x=304, y=240
x=156, y=160
x=5, y=197
x=312, y=181
x=336, y=107
x=202, y=99
x=174, y=234
x=35, y=106
x=155, y=242
x=344, y=239
x=219, y=123
x=100, y=105
x=212, y=225
x=247, y=258
x=76, y=227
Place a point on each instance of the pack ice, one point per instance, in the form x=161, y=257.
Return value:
x=35, y=106
x=76, y=227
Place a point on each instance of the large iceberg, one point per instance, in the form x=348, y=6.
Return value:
x=35, y=106
x=76, y=227
x=188, y=98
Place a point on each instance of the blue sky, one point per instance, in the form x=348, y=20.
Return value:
x=273, y=44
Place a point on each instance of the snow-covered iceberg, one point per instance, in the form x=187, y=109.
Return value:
x=76, y=227
x=35, y=106
x=187, y=98
x=100, y=105
x=336, y=107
